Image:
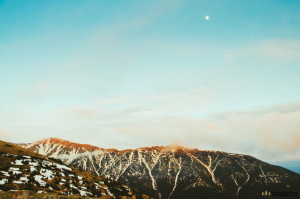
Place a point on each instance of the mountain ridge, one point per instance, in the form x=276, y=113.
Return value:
x=177, y=172
x=78, y=145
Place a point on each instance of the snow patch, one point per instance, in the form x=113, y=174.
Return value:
x=18, y=162
x=63, y=167
x=5, y=173
x=41, y=192
x=38, y=178
x=15, y=170
x=32, y=168
x=26, y=156
x=33, y=163
x=18, y=182
x=3, y=181
x=84, y=193
x=25, y=179
x=48, y=174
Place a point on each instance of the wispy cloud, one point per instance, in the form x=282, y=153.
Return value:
x=173, y=117
x=112, y=100
x=270, y=133
x=271, y=49
x=279, y=108
x=184, y=94
x=38, y=89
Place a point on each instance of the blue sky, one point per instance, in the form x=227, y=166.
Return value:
x=127, y=74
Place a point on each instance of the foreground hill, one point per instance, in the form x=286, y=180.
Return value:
x=176, y=172
x=21, y=169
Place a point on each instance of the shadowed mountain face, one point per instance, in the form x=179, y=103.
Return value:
x=175, y=172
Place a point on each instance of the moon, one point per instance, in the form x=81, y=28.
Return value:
x=207, y=17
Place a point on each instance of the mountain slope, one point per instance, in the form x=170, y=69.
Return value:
x=176, y=172
x=21, y=169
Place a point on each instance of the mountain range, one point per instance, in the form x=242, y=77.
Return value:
x=175, y=172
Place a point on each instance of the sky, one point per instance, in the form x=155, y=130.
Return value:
x=128, y=74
